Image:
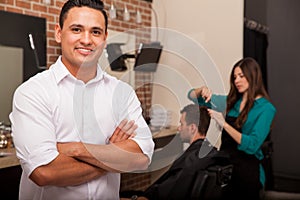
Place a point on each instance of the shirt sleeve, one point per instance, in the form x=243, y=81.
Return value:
x=32, y=130
x=217, y=102
x=253, y=138
x=129, y=107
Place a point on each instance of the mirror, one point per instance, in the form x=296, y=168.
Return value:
x=11, y=76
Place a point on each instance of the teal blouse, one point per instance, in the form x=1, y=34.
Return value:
x=255, y=129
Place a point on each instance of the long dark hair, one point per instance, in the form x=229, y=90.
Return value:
x=252, y=72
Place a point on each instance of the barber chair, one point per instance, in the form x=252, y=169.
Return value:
x=213, y=183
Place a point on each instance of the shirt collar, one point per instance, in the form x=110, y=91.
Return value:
x=61, y=72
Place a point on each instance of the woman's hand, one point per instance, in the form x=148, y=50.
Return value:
x=218, y=116
x=203, y=92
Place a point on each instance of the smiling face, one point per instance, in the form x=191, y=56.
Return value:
x=82, y=38
x=240, y=81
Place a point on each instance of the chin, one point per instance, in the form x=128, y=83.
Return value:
x=241, y=90
x=88, y=63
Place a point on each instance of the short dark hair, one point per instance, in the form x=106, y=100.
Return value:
x=198, y=115
x=95, y=4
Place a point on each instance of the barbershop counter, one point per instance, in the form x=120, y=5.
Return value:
x=161, y=138
x=10, y=169
x=8, y=158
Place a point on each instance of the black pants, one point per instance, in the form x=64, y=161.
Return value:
x=245, y=177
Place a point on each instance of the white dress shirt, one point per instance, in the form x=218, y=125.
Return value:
x=53, y=106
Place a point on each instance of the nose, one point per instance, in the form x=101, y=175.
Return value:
x=178, y=128
x=237, y=79
x=86, y=38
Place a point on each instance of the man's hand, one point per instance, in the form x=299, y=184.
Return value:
x=124, y=131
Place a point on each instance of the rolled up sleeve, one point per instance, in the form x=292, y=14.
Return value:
x=252, y=139
x=33, y=134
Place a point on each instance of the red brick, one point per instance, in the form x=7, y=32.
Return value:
x=39, y=8
x=14, y=9
x=50, y=18
x=31, y=13
x=52, y=59
x=52, y=42
x=23, y=4
x=7, y=2
x=55, y=11
x=50, y=51
x=59, y=4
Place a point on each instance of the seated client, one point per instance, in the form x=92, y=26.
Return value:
x=178, y=181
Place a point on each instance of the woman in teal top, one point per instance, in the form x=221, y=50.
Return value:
x=247, y=123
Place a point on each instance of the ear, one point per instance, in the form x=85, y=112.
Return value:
x=105, y=40
x=105, y=44
x=194, y=128
x=57, y=33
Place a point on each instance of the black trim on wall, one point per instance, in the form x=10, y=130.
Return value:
x=255, y=46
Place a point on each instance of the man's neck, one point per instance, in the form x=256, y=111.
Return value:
x=197, y=136
x=85, y=72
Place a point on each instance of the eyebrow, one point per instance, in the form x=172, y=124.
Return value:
x=81, y=26
x=77, y=25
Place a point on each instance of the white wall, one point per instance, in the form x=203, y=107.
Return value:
x=198, y=34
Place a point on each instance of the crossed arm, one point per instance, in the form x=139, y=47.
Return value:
x=65, y=171
x=121, y=155
x=78, y=163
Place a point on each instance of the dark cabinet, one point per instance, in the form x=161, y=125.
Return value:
x=9, y=182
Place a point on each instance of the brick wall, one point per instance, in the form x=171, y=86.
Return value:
x=51, y=13
x=135, y=181
x=144, y=92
